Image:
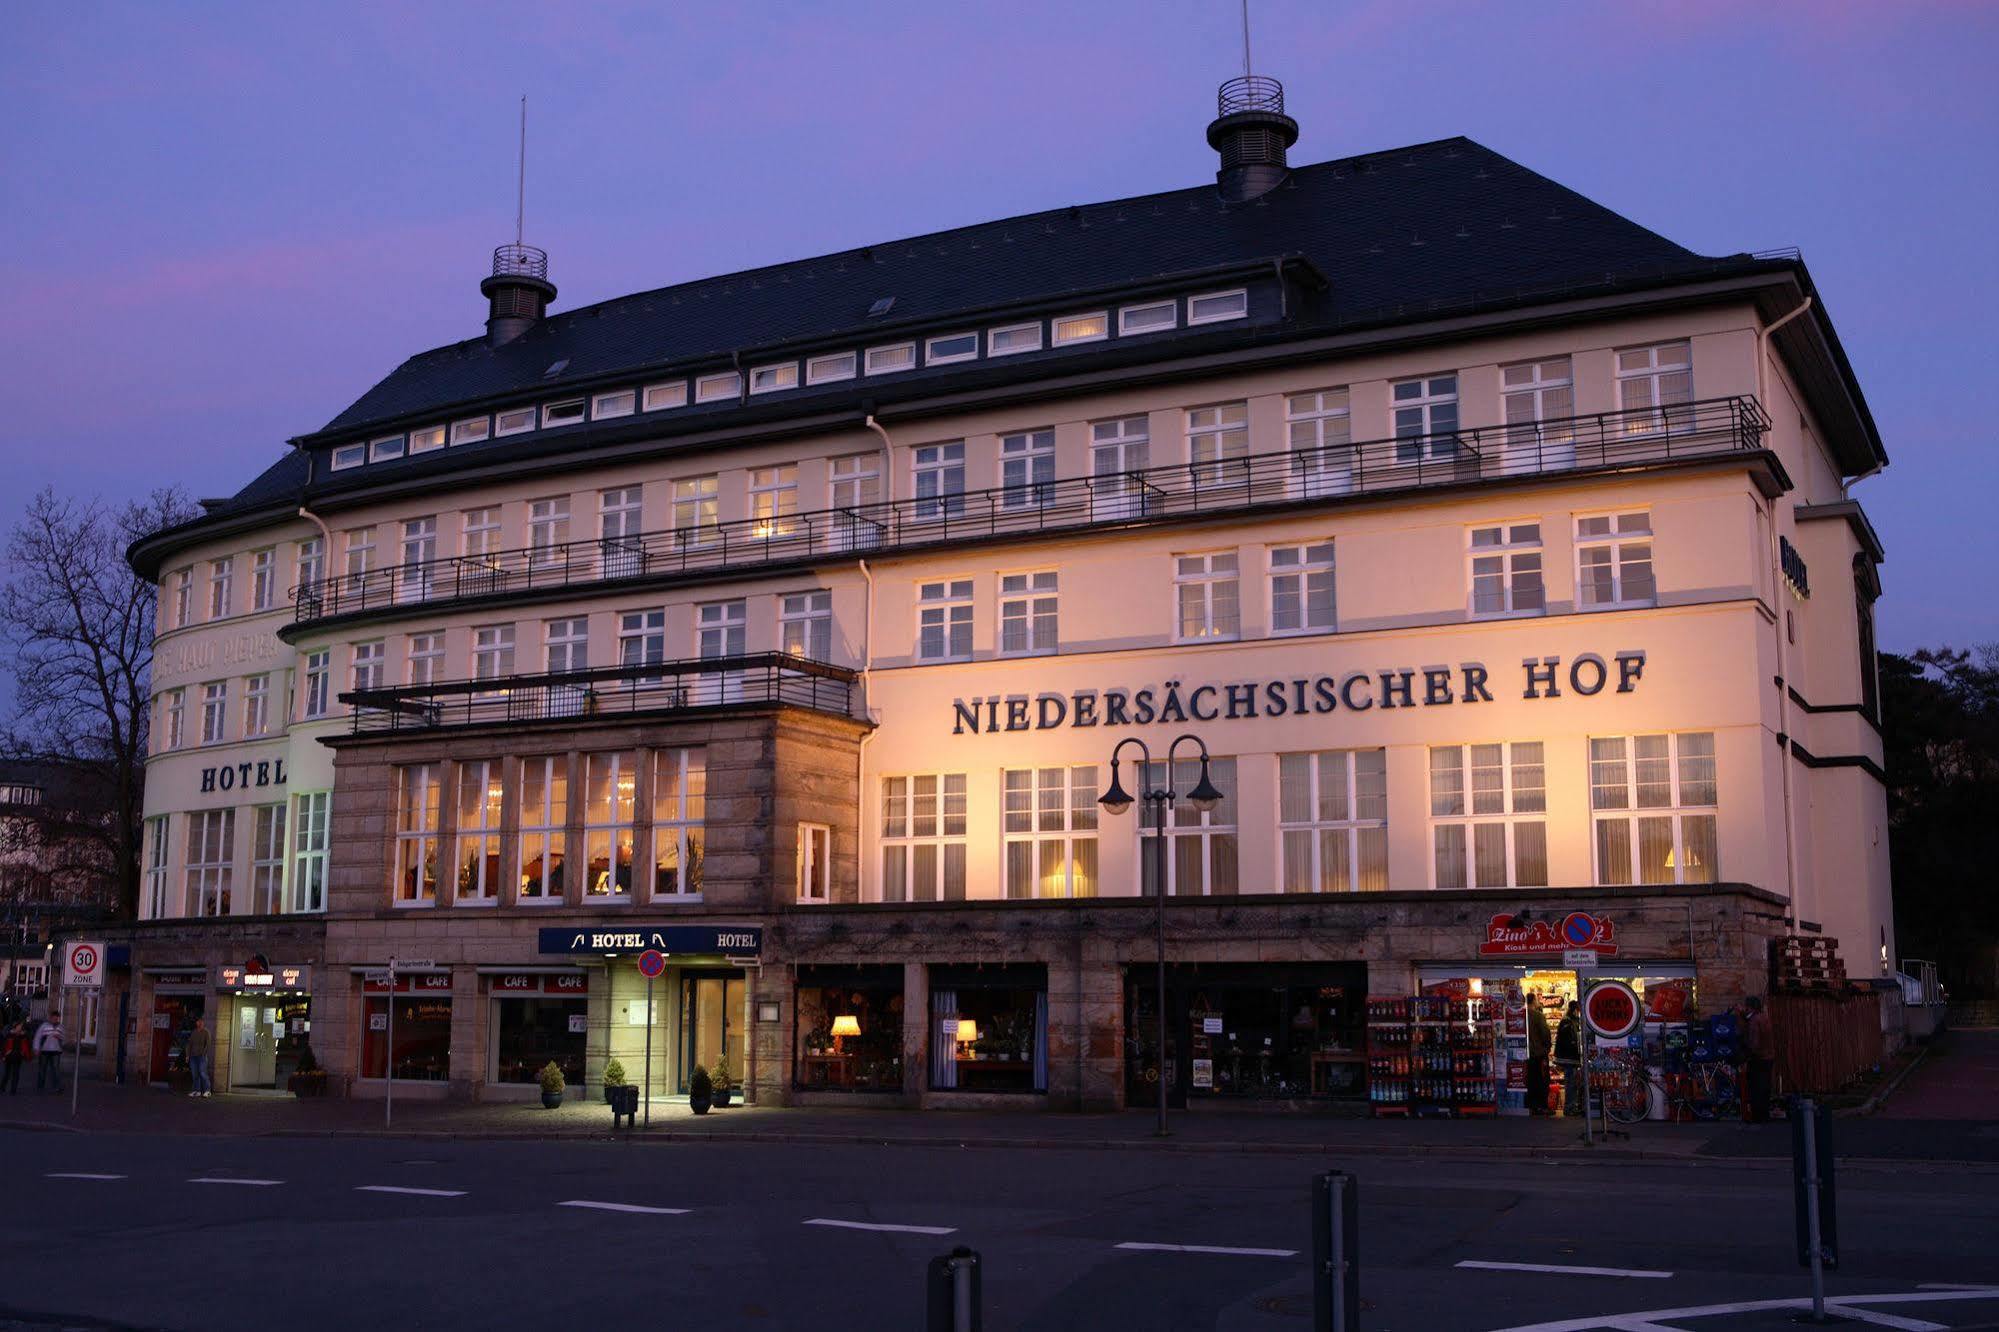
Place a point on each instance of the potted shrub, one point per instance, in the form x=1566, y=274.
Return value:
x=614, y=1076
x=700, y=1091
x=551, y=1085
x=308, y=1079
x=719, y=1080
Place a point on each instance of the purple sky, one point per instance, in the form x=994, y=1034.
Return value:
x=221, y=223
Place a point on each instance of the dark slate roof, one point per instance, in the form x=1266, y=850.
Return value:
x=1431, y=226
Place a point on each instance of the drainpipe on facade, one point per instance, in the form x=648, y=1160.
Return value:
x=1781, y=615
x=320, y=523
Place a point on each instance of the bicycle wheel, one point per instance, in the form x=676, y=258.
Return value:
x=1627, y=1100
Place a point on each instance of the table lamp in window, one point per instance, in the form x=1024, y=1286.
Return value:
x=844, y=1025
x=968, y=1031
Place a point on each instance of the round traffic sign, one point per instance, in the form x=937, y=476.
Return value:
x=1611, y=1008
x=1578, y=929
x=82, y=959
x=652, y=963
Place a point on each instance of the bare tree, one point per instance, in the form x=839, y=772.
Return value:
x=80, y=624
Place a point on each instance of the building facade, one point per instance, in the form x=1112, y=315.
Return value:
x=785, y=623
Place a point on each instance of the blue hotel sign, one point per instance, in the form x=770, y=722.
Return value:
x=737, y=942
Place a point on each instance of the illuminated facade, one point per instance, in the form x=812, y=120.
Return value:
x=786, y=621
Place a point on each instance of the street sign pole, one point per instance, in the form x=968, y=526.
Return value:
x=76, y=1063
x=648, y=1072
x=389, y=1056
x=1809, y=1121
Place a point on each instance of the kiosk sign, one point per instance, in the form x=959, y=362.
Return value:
x=1510, y=936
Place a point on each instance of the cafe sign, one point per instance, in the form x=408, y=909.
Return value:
x=1579, y=931
x=528, y=982
x=735, y=942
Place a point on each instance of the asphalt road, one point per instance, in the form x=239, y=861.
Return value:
x=194, y=1232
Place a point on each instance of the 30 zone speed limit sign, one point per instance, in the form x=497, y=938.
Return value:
x=83, y=964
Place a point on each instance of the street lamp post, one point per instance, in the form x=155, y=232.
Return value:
x=1116, y=800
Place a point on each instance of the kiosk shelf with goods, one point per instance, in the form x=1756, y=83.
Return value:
x=1431, y=1055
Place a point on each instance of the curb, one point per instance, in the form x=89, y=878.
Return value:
x=1881, y=1094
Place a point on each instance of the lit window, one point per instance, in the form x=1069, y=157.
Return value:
x=888, y=360
x=544, y=839
x=938, y=471
x=1332, y=815
x=471, y=431
x=695, y=508
x=1208, y=592
x=477, y=858
x=1049, y=831
x=944, y=621
x=1321, y=437
x=1301, y=588
x=427, y=440
x=805, y=625
x=951, y=347
x=607, y=405
x=1426, y=419
x=389, y=447
x=211, y=860
x=659, y=397
x=770, y=378
x=773, y=501
x=610, y=786
x=827, y=369
x=1488, y=815
x=1653, y=800
x=815, y=862
x=1028, y=613
x=923, y=838
x=1200, y=848
x=679, y=805
x=1027, y=469
x=349, y=455
x=1216, y=306
x=1506, y=570
x=515, y=422
x=1014, y=338
x=1654, y=386
x=417, y=800
x=567, y=412
x=715, y=388
x=1082, y=328
x=1614, y=560
x=1147, y=318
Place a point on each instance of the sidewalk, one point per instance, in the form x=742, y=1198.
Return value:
x=1957, y=1080
x=110, y=1108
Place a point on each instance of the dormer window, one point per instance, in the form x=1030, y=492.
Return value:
x=567, y=412
x=516, y=422
x=472, y=431
x=1153, y=318
x=895, y=357
x=714, y=388
x=827, y=369
x=349, y=455
x=423, y=441
x=1014, y=338
x=659, y=397
x=771, y=378
x=607, y=405
x=1082, y=328
x=389, y=446
x=951, y=347
x=1215, y=306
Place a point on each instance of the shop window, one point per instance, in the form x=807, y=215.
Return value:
x=1653, y=799
x=211, y=853
x=923, y=838
x=1333, y=817
x=815, y=862
x=989, y=1029
x=1488, y=807
x=1268, y=1031
x=1614, y=560
x=478, y=854
x=1200, y=847
x=849, y=1029
x=532, y=1032
x=679, y=804
x=309, y=850
x=1506, y=574
x=416, y=834
x=544, y=817
x=422, y=1035
x=1050, y=830
x=610, y=788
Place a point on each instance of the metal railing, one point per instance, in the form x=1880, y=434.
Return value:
x=1250, y=92
x=758, y=679
x=520, y=261
x=1159, y=494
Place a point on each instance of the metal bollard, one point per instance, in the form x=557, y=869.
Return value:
x=1335, y=1252
x=1812, y=1183
x=953, y=1297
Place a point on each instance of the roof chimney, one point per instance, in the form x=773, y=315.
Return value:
x=1251, y=132
x=519, y=292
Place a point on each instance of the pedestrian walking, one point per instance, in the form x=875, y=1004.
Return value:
x=48, y=1053
x=1759, y=1060
x=199, y=1043
x=1569, y=1054
x=14, y=1052
x=1539, y=1042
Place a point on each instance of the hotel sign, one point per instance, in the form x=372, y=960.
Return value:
x=736, y=942
x=229, y=776
x=1174, y=703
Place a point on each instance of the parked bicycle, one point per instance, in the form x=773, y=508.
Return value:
x=1704, y=1091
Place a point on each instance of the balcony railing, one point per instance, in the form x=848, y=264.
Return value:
x=1159, y=494
x=709, y=684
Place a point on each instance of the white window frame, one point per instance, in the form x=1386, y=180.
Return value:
x=317, y=681
x=805, y=624
x=208, y=879
x=666, y=396
x=1425, y=411
x=615, y=826
x=256, y=705
x=773, y=496
x=1218, y=438
x=419, y=802
x=642, y=636
x=1620, y=546
x=566, y=644
x=1514, y=804
x=359, y=554
x=773, y=378
x=385, y=448
x=1238, y=296
x=548, y=528
x=175, y=713
x=1643, y=393
x=1030, y=609
x=1334, y=826
x=425, y=657
x=311, y=563
x=1518, y=558
x=263, y=578
x=348, y=455
x=518, y=421
x=856, y=487
x=1130, y=317
x=183, y=597
x=1027, y=468
x=1050, y=809
x=214, y=712
x=944, y=611
x=1208, y=577
x=815, y=863
x=1063, y=328
x=696, y=511
x=427, y=440
x=370, y=661
x=479, y=834
x=832, y=367
x=610, y=406
x=1005, y=333
x=679, y=815
x=931, y=356
x=878, y=364
x=925, y=813
x=493, y=651
x=471, y=430
x=1214, y=830
x=158, y=850
x=942, y=466
x=1293, y=568
x=1538, y=402
x=311, y=824
x=1690, y=789
x=564, y=412
x=548, y=885
x=221, y=587
x=479, y=532
x=267, y=858
x=718, y=387
x=1319, y=433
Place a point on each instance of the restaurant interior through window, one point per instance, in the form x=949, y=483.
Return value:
x=538, y=1019
x=849, y=1029
x=1249, y=1031
x=421, y=1028
x=989, y=1028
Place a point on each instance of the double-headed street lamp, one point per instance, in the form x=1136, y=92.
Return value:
x=1116, y=800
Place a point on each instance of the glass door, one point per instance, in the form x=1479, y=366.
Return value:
x=254, y=1061
x=712, y=1023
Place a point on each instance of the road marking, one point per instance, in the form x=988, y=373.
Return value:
x=881, y=1225
x=1560, y=1270
x=624, y=1207
x=234, y=1179
x=1852, y=1306
x=397, y=1188
x=77, y=1174
x=1209, y=1248
x=1885, y=1320
x=1956, y=1285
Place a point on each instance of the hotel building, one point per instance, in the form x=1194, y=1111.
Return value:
x=1499, y=551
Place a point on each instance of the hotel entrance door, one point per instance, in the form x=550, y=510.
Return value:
x=713, y=1024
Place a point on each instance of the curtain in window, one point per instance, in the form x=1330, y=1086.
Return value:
x=944, y=1038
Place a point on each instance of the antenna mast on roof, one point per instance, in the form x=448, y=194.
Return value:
x=1251, y=131
x=521, y=191
x=519, y=290
x=1245, y=39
